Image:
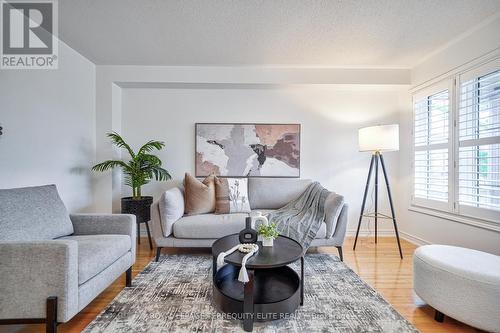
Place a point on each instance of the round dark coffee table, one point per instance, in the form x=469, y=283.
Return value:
x=273, y=291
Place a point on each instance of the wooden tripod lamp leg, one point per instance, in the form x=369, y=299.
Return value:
x=392, y=206
x=364, y=200
x=376, y=194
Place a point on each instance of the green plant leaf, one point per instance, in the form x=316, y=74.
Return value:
x=268, y=231
x=150, y=146
x=118, y=141
x=141, y=168
x=148, y=161
x=160, y=174
x=110, y=164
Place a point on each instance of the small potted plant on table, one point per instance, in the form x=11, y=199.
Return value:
x=139, y=170
x=269, y=233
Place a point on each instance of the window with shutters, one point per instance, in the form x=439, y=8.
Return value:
x=479, y=144
x=431, y=132
x=456, y=136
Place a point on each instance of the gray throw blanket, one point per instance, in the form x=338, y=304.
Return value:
x=301, y=218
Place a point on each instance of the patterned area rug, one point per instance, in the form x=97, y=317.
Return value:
x=174, y=295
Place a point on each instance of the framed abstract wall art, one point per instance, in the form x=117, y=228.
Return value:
x=247, y=150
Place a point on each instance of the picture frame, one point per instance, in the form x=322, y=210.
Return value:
x=248, y=150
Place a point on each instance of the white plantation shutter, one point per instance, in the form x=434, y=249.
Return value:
x=456, y=142
x=479, y=145
x=431, y=150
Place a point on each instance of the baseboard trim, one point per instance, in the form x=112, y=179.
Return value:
x=366, y=233
x=413, y=239
x=390, y=233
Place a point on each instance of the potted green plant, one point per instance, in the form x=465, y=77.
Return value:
x=139, y=170
x=269, y=233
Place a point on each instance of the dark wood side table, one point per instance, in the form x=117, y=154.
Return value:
x=274, y=290
x=141, y=208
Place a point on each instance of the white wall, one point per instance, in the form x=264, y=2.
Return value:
x=475, y=46
x=277, y=87
x=55, y=123
x=55, y=135
x=330, y=116
x=472, y=45
x=48, y=118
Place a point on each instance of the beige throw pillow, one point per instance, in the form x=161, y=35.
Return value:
x=231, y=195
x=199, y=197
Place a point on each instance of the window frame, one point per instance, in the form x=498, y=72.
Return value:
x=466, y=210
x=452, y=210
x=421, y=94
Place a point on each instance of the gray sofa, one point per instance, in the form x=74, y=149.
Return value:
x=172, y=229
x=53, y=264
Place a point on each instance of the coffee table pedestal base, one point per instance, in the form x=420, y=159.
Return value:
x=270, y=294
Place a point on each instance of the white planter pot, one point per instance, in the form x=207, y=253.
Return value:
x=267, y=241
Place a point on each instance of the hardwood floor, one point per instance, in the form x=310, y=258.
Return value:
x=378, y=264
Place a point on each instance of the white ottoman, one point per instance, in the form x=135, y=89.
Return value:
x=461, y=283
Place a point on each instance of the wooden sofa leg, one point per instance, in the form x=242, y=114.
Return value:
x=439, y=316
x=128, y=277
x=341, y=255
x=158, y=252
x=51, y=319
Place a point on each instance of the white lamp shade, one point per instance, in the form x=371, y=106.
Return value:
x=379, y=138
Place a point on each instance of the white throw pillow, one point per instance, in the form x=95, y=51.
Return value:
x=238, y=195
x=231, y=195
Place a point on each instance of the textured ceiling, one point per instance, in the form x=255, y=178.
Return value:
x=278, y=32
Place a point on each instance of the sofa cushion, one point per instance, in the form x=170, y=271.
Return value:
x=274, y=193
x=33, y=213
x=213, y=226
x=97, y=252
x=209, y=226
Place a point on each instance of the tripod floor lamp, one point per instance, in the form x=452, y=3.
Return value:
x=377, y=139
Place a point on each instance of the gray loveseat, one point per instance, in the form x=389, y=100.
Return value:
x=172, y=229
x=53, y=264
